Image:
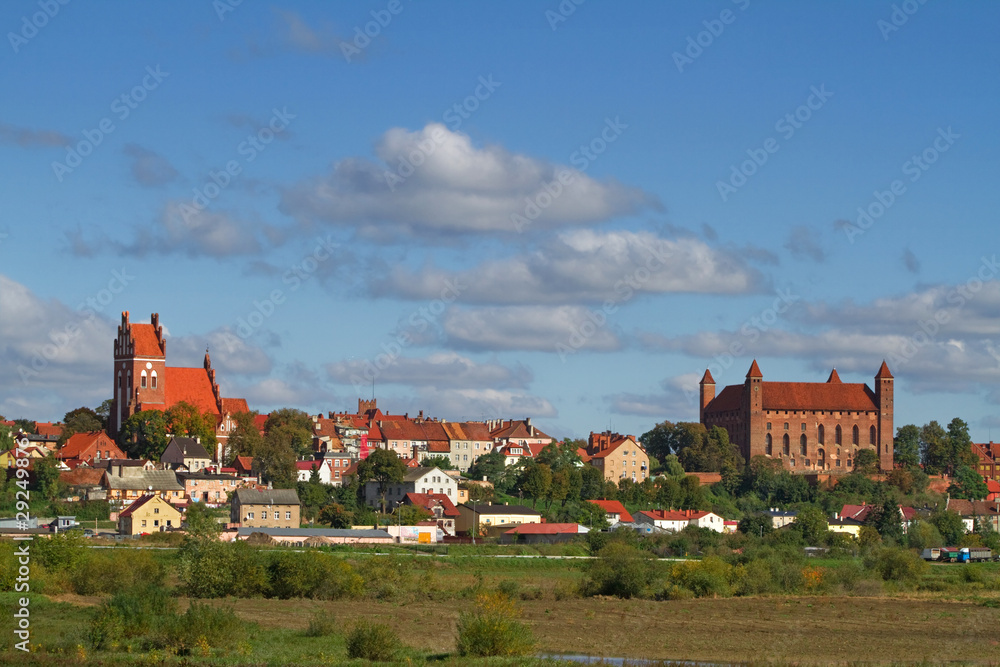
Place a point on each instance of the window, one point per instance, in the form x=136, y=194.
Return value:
x=871, y=436
x=152, y=380
x=785, y=447
x=803, y=426
x=143, y=523
x=802, y=445
x=767, y=444
x=822, y=435
x=786, y=426
x=854, y=435
x=288, y=515
x=839, y=435
x=156, y=510
x=263, y=515
x=142, y=380
x=156, y=522
x=250, y=515
x=768, y=426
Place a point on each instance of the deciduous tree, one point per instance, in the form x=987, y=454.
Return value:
x=383, y=467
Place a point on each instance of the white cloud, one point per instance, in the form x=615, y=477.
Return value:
x=475, y=404
x=442, y=370
x=527, y=328
x=584, y=266
x=456, y=187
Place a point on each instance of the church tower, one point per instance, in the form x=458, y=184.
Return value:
x=883, y=397
x=139, y=370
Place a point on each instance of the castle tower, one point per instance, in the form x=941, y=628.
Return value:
x=139, y=369
x=707, y=393
x=753, y=411
x=883, y=397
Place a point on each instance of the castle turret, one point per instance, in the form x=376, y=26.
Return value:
x=884, y=399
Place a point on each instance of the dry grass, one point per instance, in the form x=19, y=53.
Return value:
x=807, y=629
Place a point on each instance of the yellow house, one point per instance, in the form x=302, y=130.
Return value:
x=845, y=524
x=8, y=459
x=149, y=514
x=617, y=456
x=489, y=516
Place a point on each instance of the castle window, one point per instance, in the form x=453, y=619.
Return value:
x=153, y=380
x=785, y=448
x=839, y=435
x=119, y=379
x=767, y=444
x=142, y=380
x=786, y=426
x=855, y=435
x=822, y=434
x=768, y=426
x=803, y=426
x=802, y=444
x=871, y=436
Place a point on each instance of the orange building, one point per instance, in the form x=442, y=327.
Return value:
x=617, y=456
x=808, y=426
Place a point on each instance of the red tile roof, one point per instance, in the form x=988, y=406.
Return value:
x=82, y=477
x=308, y=465
x=675, y=515
x=48, y=429
x=259, y=421
x=79, y=443
x=728, y=400
x=993, y=486
x=191, y=385
x=146, y=342
x=707, y=378
x=431, y=500
x=614, y=507
x=244, y=463
x=834, y=377
x=817, y=396
x=544, y=529
x=754, y=371
x=128, y=511
x=883, y=371
x=235, y=406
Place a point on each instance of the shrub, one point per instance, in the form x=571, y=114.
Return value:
x=508, y=588
x=212, y=569
x=705, y=578
x=895, y=564
x=201, y=626
x=321, y=625
x=129, y=614
x=564, y=590
x=384, y=578
x=493, y=629
x=115, y=571
x=313, y=574
x=621, y=570
x=373, y=641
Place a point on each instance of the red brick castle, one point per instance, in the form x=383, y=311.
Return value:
x=808, y=426
x=143, y=381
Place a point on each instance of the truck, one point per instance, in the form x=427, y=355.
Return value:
x=957, y=555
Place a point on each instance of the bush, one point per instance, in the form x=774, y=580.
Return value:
x=375, y=642
x=385, y=578
x=313, y=574
x=493, y=629
x=895, y=564
x=212, y=569
x=200, y=626
x=129, y=614
x=705, y=578
x=115, y=571
x=321, y=625
x=622, y=570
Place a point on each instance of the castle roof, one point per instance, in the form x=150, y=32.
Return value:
x=754, y=371
x=834, y=377
x=707, y=378
x=883, y=371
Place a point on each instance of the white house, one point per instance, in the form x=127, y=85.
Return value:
x=677, y=520
x=416, y=480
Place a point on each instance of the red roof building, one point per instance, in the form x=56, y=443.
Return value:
x=808, y=426
x=90, y=447
x=615, y=510
x=143, y=381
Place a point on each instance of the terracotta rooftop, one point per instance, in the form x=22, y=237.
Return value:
x=614, y=507
x=191, y=385
x=146, y=342
x=430, y=500
x=544, y=529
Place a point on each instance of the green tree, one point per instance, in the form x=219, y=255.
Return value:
x=591, y=483
x=144, y=435
x=200, y=522
x=296, y=429
x=103, y=412
x=439, y=461
x=757, y=525
x=25, y=425
x=47, y=478
x=559, y=456
x=558, y=489
x=411, y=515
x=336, y=515
x=245, y=439
x=711, y=452
x=886, y=518
x=80, y=420
x=491, y=466
x=959, y=446
x=183, y=419
x=934, y=448
x=672, y=467
x=383, y=467
x=968, y=484
x=906, y=446
x=812, y=523
x=535, y=480
x=949, y=525
x=275, y=458
x=866, y=461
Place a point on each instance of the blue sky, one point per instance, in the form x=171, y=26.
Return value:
x=523, y=215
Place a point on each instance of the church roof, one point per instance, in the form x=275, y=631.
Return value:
x=145, y=341
x=191, y=385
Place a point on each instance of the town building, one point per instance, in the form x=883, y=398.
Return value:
x=542, y=533
x=442, y=509
x=677, y=520
x=210, y=488
x=143, y=381
x=467, y=442
x=90, y=448
x=988, y=455
x=148, y=514
x=125, y=484
x=272, y=508
x=808, y=426
x=487, y=517
x=415, y=480
x=617, y=456
x=187, y=453
x=615, y=511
